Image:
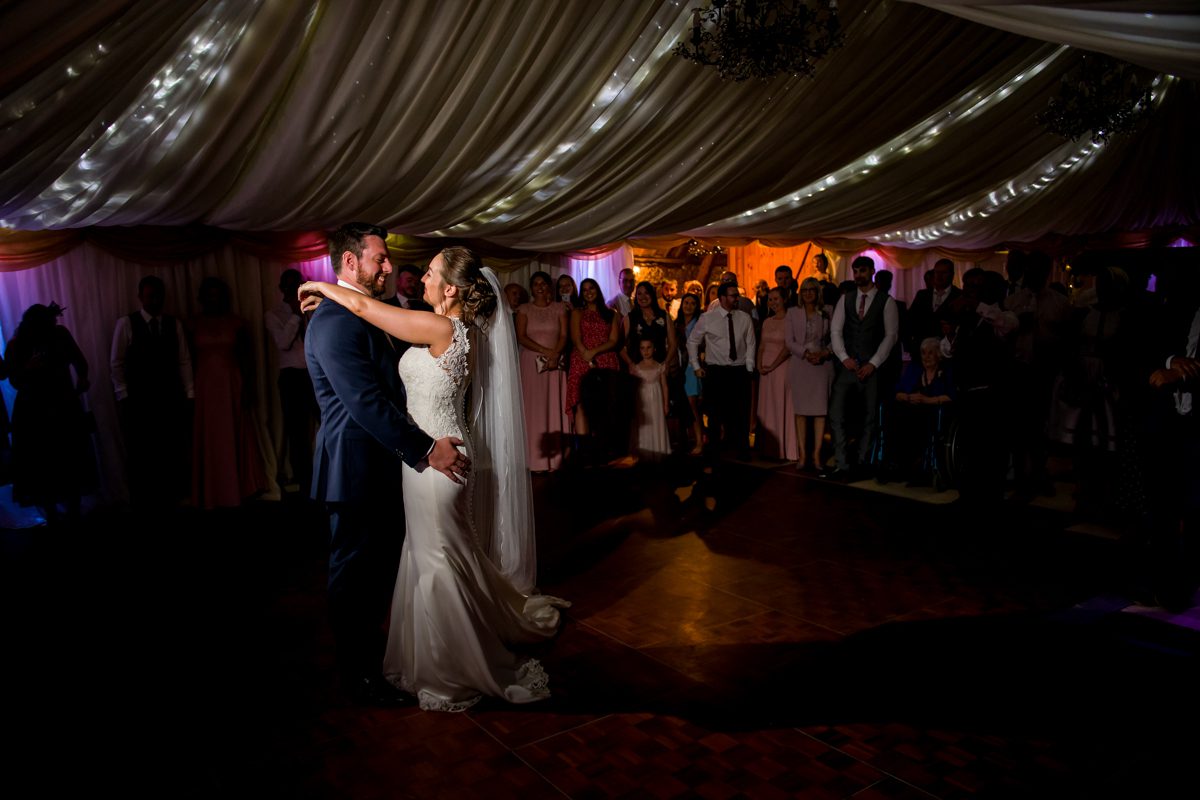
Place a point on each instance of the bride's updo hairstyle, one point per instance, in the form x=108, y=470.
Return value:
x=462, y=268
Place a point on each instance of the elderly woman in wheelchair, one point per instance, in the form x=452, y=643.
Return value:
x=924, y=403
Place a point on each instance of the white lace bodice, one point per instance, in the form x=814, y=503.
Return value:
x=435, y=386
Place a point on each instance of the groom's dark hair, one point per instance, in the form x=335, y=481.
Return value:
x=350, y=237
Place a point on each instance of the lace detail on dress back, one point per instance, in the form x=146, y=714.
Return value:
x=435, y=385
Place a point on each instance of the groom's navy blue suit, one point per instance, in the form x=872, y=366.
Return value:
x=365, y=433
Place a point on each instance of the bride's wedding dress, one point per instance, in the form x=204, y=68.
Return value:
x=454, y=615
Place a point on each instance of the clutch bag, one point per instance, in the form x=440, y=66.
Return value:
x=546, y=365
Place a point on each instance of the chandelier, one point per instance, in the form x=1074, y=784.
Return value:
x=1101, y=95
x=762, y=38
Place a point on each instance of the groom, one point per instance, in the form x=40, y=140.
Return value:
x=365, y=433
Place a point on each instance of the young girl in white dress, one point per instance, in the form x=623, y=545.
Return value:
x=650, y=440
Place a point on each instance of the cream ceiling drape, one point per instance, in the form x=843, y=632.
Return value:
x=1162, y=35
x=557, y=126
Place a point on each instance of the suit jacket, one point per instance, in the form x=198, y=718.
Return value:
x=365, y=428
x=902, y=317
x=414, y=305
x=923, y=321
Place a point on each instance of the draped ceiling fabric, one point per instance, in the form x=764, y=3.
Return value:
x=565, y=125
x=1163, y=35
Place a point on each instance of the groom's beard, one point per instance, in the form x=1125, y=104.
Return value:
x=372, y=284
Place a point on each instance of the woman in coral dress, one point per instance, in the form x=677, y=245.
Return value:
x=542, y=334
x=595, y=334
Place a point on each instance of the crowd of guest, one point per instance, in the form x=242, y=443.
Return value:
x=999, y=370
x=184, y=396
x=971, y=386
x=655, y=370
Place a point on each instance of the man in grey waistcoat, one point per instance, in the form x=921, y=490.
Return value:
x=865, y=328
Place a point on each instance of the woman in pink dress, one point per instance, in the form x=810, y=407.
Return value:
x=542, y=334
x=775, y=435
x=595, y=333
x=227, y=466
x=810, y=372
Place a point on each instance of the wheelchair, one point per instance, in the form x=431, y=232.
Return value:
x=944, y=450
x=941, y=454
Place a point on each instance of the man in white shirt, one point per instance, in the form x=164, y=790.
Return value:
x=864, y=329
x=297, y=401
x=727, y=335
x=151, y=370
x=623, y=302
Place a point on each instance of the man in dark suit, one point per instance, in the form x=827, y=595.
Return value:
x=410, y=292
x=365, y=433
x=786, y=285
x=1175, y=441
x=930, y=305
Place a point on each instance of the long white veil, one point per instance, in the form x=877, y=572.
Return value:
x=501, y=493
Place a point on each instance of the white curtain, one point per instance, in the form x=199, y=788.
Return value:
x=556, y=126
x=603, y=269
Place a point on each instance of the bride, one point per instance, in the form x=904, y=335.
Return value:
x=463, y=591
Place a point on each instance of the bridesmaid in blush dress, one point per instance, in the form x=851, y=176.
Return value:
x=810, y=372
x=542, y=334
x=227, y=466
x=775, y=435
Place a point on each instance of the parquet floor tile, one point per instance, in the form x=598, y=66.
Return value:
x=737, y=632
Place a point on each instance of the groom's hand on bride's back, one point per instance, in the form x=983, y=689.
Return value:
x=446, y=459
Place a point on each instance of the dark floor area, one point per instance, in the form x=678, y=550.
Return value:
x=736, y=632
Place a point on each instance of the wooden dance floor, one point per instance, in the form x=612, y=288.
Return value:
x=736, y=632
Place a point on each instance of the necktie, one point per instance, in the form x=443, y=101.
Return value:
x=732, y=341
x=862, y=305
x=154, y=330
